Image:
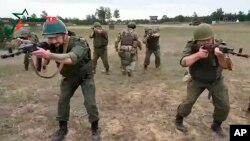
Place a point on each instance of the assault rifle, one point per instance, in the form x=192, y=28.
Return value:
x=224, y=49
x=27, y=48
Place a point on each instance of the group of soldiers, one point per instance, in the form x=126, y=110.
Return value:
x=128, y=49
x=204, y=68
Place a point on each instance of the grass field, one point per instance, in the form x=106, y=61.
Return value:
x=144, y=110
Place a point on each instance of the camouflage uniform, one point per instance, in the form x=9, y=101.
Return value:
x=32, y=37
x=100, y=42
x=206, y=74
x=78, y=73
x=151, y=39
x=128, y=49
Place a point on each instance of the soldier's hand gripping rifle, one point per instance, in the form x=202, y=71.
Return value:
x=224, y=49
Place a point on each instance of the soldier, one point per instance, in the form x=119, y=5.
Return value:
x=151, y=39
x=206, y=71
x=75, y=54
x=26, y=37
x=100, y=42
x=128, y=48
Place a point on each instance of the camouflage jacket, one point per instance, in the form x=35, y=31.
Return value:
x=100, y=38
x=204, y=70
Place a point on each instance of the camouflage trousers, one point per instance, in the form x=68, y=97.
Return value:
x=103, y=53
x=219, y=93
x=26, y=61
x=68, y=87
x=157, y=57
x=128, y=58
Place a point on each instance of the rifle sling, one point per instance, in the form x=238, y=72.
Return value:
x=65, y=47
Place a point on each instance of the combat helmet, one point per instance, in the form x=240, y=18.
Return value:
x=203, y=32
x=53, y=28
x=97, y=24
x=132, y=25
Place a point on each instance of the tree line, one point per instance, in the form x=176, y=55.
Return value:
x=104, y=15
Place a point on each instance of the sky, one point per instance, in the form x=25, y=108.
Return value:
x=129, y=9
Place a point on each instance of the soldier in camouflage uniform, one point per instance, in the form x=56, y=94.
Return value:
x=206, y=71
x=128, y=48
x=151, y=39
x=100, y=42
x=26, y=37
x=77, y=71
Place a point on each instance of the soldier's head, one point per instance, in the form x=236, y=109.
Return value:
x=24, y=33
x=203, y=34
x=131, y=25
x=97, y=25
x=55, y=32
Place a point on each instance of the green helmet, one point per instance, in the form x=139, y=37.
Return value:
x=203, y=32
x=51, y=28
x=132, y=25
x=97, y=24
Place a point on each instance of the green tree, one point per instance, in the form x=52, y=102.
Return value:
x=33, y=15
x=179, y=18
x=101, y=13
x=44, y=14
x=116, y=14
x=241, y=16
x=195, y=17
x=108, y=15
x=248, y=15
x=218, y=14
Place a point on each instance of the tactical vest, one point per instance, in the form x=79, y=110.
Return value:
x=153, y=43
x=127, y=38
x=84, y=66
x=205, y=70
x=100, y=40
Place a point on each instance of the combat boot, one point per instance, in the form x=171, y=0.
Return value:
x=157, y=66
x=145, y=67
x=106, y=71
x=96, y=133
x=179, y=124
x=61, y=132
x=216, y=127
